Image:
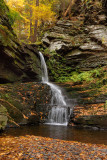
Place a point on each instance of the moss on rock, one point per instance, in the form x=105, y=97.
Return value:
x=3, y=117
x=26, y=103
x=18, y=62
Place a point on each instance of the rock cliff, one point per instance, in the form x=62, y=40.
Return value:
x=83, y=46
x=18, y=62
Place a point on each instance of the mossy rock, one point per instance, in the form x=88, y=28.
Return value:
x=19, y=62
x=3, y=117
x=14, y=113
x=92, y=120
x=26, y=103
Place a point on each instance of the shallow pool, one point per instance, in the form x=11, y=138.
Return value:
x=60, y=132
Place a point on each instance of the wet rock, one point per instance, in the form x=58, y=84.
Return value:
x=33, y=119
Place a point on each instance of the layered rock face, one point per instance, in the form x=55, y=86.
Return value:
x=84, y=47
x=17, y=62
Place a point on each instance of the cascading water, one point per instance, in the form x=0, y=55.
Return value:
x=58, y=115
x=44, y=69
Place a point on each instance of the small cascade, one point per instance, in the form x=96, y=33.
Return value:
x=57, y=97
x=59, y=114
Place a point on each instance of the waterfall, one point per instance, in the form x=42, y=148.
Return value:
x=58, y=115
x=44, y=69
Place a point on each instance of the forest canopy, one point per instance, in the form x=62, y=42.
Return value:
x=30, y=18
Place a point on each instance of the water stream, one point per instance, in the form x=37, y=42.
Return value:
x=59, y=132
x=59, y=114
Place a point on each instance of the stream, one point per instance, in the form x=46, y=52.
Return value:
x=60, y=132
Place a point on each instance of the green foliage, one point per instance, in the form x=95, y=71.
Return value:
x=3, y=7
x=53, y=55
x=57, y=66
x=13, y=16
x=78, y=77
x=97, y=73
x=84, y=76
x=87, y=75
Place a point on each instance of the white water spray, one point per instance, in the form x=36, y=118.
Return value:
x=58, y=115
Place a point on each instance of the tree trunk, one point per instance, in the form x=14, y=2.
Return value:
x=35, y=26
x=37, y=2
x=63, y=7
x=72, y=2
x=31, y=26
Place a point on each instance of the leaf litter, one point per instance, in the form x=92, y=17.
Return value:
x=35, y=147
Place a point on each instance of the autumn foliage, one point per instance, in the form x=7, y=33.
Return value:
x=33, y=17
x=28, y=14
